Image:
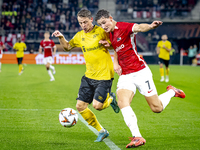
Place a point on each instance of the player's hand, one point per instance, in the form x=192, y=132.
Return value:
x=105, y=43
x=118, y=69
x=57, y=34
x=53, y=53
x=156, y=24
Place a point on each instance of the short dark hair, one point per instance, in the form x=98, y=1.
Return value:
x=84, y=13
x=102, y=13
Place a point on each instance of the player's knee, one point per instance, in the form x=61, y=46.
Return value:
x=80, y=107
x=157, y=109
x=97, y=106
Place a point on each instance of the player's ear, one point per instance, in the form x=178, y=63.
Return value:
x=92, y=19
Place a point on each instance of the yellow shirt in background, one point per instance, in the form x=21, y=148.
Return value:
x=20, y=47
x=99, y=65
x=164, y=54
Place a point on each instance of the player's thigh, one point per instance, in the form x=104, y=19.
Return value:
x=166, y=63
x=160, y=62
x=47, y=65
x=102, y=90
x=19, y=60
x=144, y=82
x=48, y=60
x=124, y=97
x=86, y=92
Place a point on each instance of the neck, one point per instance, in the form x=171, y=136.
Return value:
x=90, y=29
x=114, y=24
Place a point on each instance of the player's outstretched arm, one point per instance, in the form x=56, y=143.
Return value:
x=64, y=43
x=143, y=27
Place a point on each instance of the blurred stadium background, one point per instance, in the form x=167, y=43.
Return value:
x=29, y=19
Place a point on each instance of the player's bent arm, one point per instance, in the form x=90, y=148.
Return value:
x=55, y=48
x=168, y=49
x=65, y=44
x=157, y=50
x=143, y=27
x=40, y=50
x=4, y=46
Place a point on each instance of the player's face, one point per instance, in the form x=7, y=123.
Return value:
x=46, y=35
x=106, y=24
x=85, y=23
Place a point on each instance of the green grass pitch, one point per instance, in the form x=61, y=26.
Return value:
x=30, y=104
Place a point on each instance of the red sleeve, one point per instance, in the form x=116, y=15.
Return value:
x=130, y=27
x=41, y=43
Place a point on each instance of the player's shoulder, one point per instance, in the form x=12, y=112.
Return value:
x=124, y=24
x=42, y=41
x=98, y=29
x=51, y=41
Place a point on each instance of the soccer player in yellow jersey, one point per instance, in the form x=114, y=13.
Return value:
x=96, y=83
x=20, y=47
x=163, y=50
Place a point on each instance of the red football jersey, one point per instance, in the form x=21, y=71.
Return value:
x=47, y=46
x=124, y=43
x=1, y=51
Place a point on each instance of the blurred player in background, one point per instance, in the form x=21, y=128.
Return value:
x=96, y=83
x=48, y=44
x=133, y=71
x=163, y=50
x=2, y=46
x=20, y=47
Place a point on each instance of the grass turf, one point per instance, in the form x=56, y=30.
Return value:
x=30, y=104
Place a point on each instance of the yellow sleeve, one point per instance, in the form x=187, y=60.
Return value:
x=24, y=46
x=106, y=36
x=74, y=42
x=14, y=47
x=169, y=45
x=159, y=44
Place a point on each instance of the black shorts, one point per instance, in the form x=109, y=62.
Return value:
x=19, y=60
x=163, y=61
x=94, y=89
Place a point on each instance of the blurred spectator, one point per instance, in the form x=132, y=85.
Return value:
x=62, y=27
x=155, y=36
x=48, y=18
x=148, y=37
x=8, y=25
x=62, y=18
x=192, y=52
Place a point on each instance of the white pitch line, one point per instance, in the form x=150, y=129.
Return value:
x=107, y=141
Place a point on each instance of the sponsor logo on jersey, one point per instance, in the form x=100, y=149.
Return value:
x=83, y=39
x=120, y=47
x=118, y=39
x=95, y=35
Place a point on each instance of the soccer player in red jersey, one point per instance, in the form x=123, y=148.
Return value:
x=2, y=46
x=133, y=71
x=48, y=44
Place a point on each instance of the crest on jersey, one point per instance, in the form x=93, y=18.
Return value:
x=118, y=39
